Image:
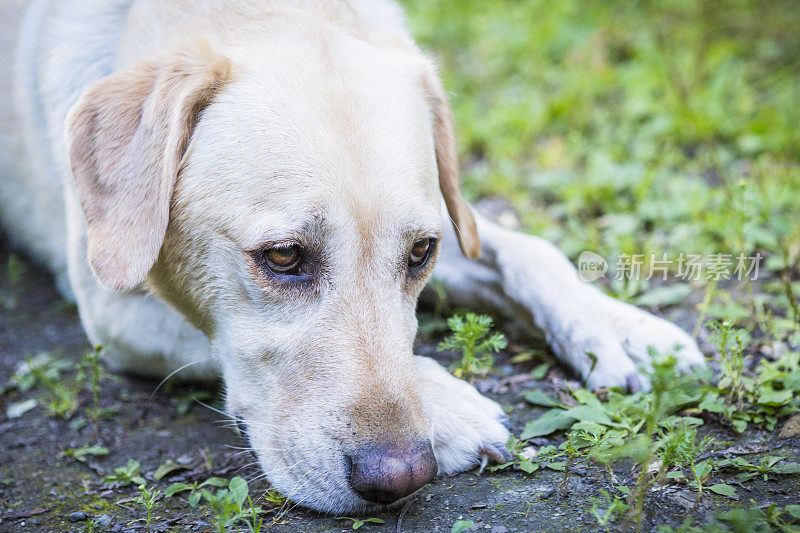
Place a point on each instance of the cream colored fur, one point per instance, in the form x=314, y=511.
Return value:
x=164, y=144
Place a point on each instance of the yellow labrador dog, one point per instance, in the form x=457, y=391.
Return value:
x=263, y=188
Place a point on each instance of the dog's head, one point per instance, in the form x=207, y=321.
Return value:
x=287, y=201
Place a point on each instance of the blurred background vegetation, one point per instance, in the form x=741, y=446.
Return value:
x=629, y=126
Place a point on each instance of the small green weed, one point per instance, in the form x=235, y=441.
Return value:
x=274, y=497
x=522, y=458
x=194, y=489
x=62, y=394
x=131, y=473
x=358, y=523
x=679, y=448
x=759, y=517
x=44, y=364
x=91, y=372
x=608, y=509
x=227, y=505
x=46, y=371
x=766, y=466
x=741, y=398
x=167, y=468
x=470, y=338
x=670, y=392
x=461, y=526
x=251, y=517
x=147, y=498
x=83, y=453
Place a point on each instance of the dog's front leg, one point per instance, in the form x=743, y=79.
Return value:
x=604, y=340
x=466, y=425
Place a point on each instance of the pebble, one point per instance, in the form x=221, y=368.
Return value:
x=547, y=494
x=103, y=520
x=77, y=516
x=184, y=459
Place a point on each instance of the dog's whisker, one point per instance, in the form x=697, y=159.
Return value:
x=243, y=452
x=223, y=413
x=270, y=431
x=237, y=447
x=290, y=468
x=257, y=477
x=283, y=510
x=179, y=369
x=245, y=448
x=249, y=465
x=248, y=477
x=297, y=490
x=259, y=426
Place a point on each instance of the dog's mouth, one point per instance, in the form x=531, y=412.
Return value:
x=378, y=476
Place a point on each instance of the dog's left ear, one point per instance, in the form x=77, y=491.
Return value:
x=126, y=137
x=447, y=162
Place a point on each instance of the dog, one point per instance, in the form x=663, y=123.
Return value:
x=260, y=189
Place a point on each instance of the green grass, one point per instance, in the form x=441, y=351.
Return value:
x=662, y=127
x=658, y=432
x=629, y=127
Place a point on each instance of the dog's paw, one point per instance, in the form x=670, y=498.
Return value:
x=467, y=427
x=619, y=338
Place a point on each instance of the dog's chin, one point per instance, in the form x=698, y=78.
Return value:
x=336, y=499
x=324, y=500
x=331, y=500
x=336, y=502
x=379, y=507
x=336, y=505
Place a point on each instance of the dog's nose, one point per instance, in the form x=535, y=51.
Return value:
x=387, y=472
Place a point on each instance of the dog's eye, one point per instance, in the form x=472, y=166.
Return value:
x=420, y=253
x=284, y=259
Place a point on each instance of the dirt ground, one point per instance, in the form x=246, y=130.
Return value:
x=39, y=490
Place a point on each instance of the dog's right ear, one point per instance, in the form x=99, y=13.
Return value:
x=447, y=163
x=126, y=138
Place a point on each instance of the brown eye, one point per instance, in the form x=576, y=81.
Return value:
x=420, y=253
x=284, y=259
